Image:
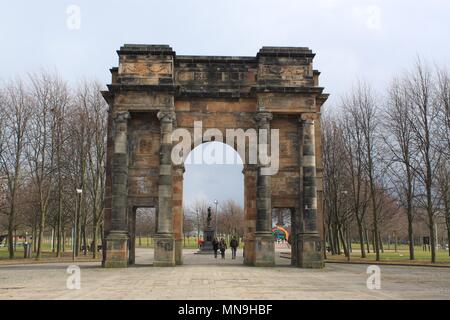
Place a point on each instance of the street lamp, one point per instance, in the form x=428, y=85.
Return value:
x=74, y=231
x=216, y=202
x=198, y=225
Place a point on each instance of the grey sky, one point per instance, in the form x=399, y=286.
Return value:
x=372, y=40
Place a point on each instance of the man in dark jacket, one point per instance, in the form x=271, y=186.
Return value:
x=234, y=244
x=215, y=244
x=222, y=247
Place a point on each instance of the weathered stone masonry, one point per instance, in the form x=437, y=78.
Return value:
x=154, y=91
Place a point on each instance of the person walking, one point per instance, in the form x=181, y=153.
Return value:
x=222, y=248
x=215, y=244
x=234, y=244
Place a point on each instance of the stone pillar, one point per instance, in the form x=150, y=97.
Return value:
x=132, y=234
x=164, y=239
x=264, y=244
x=249, y=172
x=178, y=212
x=309, y=243
x=117, y=239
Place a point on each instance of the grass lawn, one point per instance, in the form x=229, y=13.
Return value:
x=144, y=242
x=47, y=253
x=389, y=255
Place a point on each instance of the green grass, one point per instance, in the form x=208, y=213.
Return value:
x=46, y=252
x=145, y=242
x=402, y=254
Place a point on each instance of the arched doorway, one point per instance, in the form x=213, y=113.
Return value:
x=213, y=178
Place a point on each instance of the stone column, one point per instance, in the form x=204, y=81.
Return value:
x=249, y=172
x=264, y=244
x=309, y=244
x=117, y=239
x=132, y=235
x=164, y=239
x=178, y=212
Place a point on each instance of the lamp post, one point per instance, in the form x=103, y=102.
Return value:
x=216, y=202
x=74, y=229
x=198, y=226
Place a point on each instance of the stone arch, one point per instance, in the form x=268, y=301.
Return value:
x=154, y=92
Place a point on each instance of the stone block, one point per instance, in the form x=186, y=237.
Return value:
x=310, y=250
x=164, y=250
x=264, y=250
x=116, y=250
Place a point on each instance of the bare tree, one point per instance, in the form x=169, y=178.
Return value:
x=77, y=164
x=96, y=108
x=49, y=93
x=199, y=208
x=400, y=143
x=363, y=105
x=354, y=147
x=335, y=186
x=420, y=92
x=442, y=142
x=231, y=218
x=16, y=114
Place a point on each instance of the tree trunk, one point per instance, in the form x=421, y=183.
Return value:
x=432, y=239
x=410, y=239
x=367, y=239
x=336, y=239
x=395, y=243
x=361, y=239
x=94, y=238
x=59, y=223
x=373, y=241
x=63, y=234
x=344, y=245
x=34, y=235
x=448, y=238
x=83, y=231
x=381, y=242
x=15, y=239
x=40, y=235
x=11, y=223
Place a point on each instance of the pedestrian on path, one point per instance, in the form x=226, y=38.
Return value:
x=222, y=247
x=234, y=244
x=215, y=244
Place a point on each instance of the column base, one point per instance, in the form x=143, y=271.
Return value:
x=116, y=255
x=164, y=250
x=178, y=252
x=264, y=250
x=249, y=252
x=309, y=246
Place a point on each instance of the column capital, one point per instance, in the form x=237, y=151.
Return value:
x=307, y=118
x=166, y=116
x=179, y=168
x=263, y=118
x=121, y=116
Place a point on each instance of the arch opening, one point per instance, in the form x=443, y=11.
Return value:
x=213, y=179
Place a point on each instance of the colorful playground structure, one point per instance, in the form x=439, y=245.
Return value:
x=280, y=233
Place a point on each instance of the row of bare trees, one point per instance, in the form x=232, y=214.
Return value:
x=230, y=218
x=52, y=142
x=387, y=158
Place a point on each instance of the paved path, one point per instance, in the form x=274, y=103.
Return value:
x=203, y=277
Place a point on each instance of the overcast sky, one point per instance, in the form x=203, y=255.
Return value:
x=371, y=40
